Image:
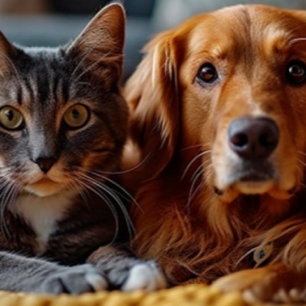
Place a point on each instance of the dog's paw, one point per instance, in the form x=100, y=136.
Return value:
x=274, y=284
x=146, y=276
x=74, y=280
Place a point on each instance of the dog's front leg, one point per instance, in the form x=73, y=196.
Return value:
x=275, y=283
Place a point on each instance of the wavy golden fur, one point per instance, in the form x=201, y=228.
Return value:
x=211, y=201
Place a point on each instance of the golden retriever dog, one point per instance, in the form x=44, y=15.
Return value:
x=218, y=113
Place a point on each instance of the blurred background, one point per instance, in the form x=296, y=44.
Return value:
x=55, y=22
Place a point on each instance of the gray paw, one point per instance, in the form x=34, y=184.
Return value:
x=74, y=280
x=146, y=276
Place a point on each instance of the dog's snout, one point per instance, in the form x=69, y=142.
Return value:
x=253, y=138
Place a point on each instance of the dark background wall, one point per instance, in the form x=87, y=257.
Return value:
x=55, y=22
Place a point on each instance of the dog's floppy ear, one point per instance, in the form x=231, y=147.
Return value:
x=152, y=94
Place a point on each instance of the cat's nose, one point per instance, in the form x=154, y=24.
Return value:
x=45, y=164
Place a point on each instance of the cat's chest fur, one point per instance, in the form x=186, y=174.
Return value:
x=42, y=214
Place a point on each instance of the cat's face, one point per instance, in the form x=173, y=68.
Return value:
x=62, y=118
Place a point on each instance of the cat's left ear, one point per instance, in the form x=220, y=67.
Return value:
x=7, y=52
x=103, y=38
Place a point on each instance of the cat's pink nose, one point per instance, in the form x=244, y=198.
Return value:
x=45, y=164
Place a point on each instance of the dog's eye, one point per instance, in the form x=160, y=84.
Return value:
x=296, y=72
x=207, y=74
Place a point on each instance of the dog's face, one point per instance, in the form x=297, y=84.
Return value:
x=234, y=82
x=244, y=97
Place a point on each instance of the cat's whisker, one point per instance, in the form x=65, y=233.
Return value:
x=111, y=194
x=3, y=190
x=6, y=170
x=81, y=191
x=101, y=185
x=127, y=170
x=106, y=200
x=83, y=83
x=124, y=193
x=125, y=212
x=9, y=192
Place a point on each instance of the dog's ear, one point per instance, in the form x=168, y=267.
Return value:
x=152, y=94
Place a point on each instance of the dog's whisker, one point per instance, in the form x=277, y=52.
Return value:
x=192, y=147
x=193, y=191
x=196, y=172
x=301, y=171
x=198, y=156
x=301, y=152
x=297, y=40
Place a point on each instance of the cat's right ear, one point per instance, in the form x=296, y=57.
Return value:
x=103, y=38
x=7, y=51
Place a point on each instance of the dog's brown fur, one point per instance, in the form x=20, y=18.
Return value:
x=196, y=220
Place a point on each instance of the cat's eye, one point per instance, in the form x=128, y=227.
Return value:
x=76, y=116
x=11, y=118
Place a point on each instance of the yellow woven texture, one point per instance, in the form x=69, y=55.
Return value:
x=198, y=295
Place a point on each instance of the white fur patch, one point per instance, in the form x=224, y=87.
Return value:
x=93, y=277
x=96, y=281
x=42, y=213
x=145, y=276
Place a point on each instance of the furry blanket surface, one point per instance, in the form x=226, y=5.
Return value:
x=200, y=295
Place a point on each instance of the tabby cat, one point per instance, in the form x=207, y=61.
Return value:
x=63, y=126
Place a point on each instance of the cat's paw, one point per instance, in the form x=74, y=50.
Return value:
x=124, y=271
x=74, y=280
x=146, y=276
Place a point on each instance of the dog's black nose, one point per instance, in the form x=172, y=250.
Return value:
x=253, y=138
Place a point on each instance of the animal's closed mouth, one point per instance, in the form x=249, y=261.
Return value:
x=44, y=181
x=255, y=176
x=254, y=172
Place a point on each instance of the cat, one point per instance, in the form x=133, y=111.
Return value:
x=63, y=124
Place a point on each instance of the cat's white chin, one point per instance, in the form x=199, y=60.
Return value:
x=44, y=188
